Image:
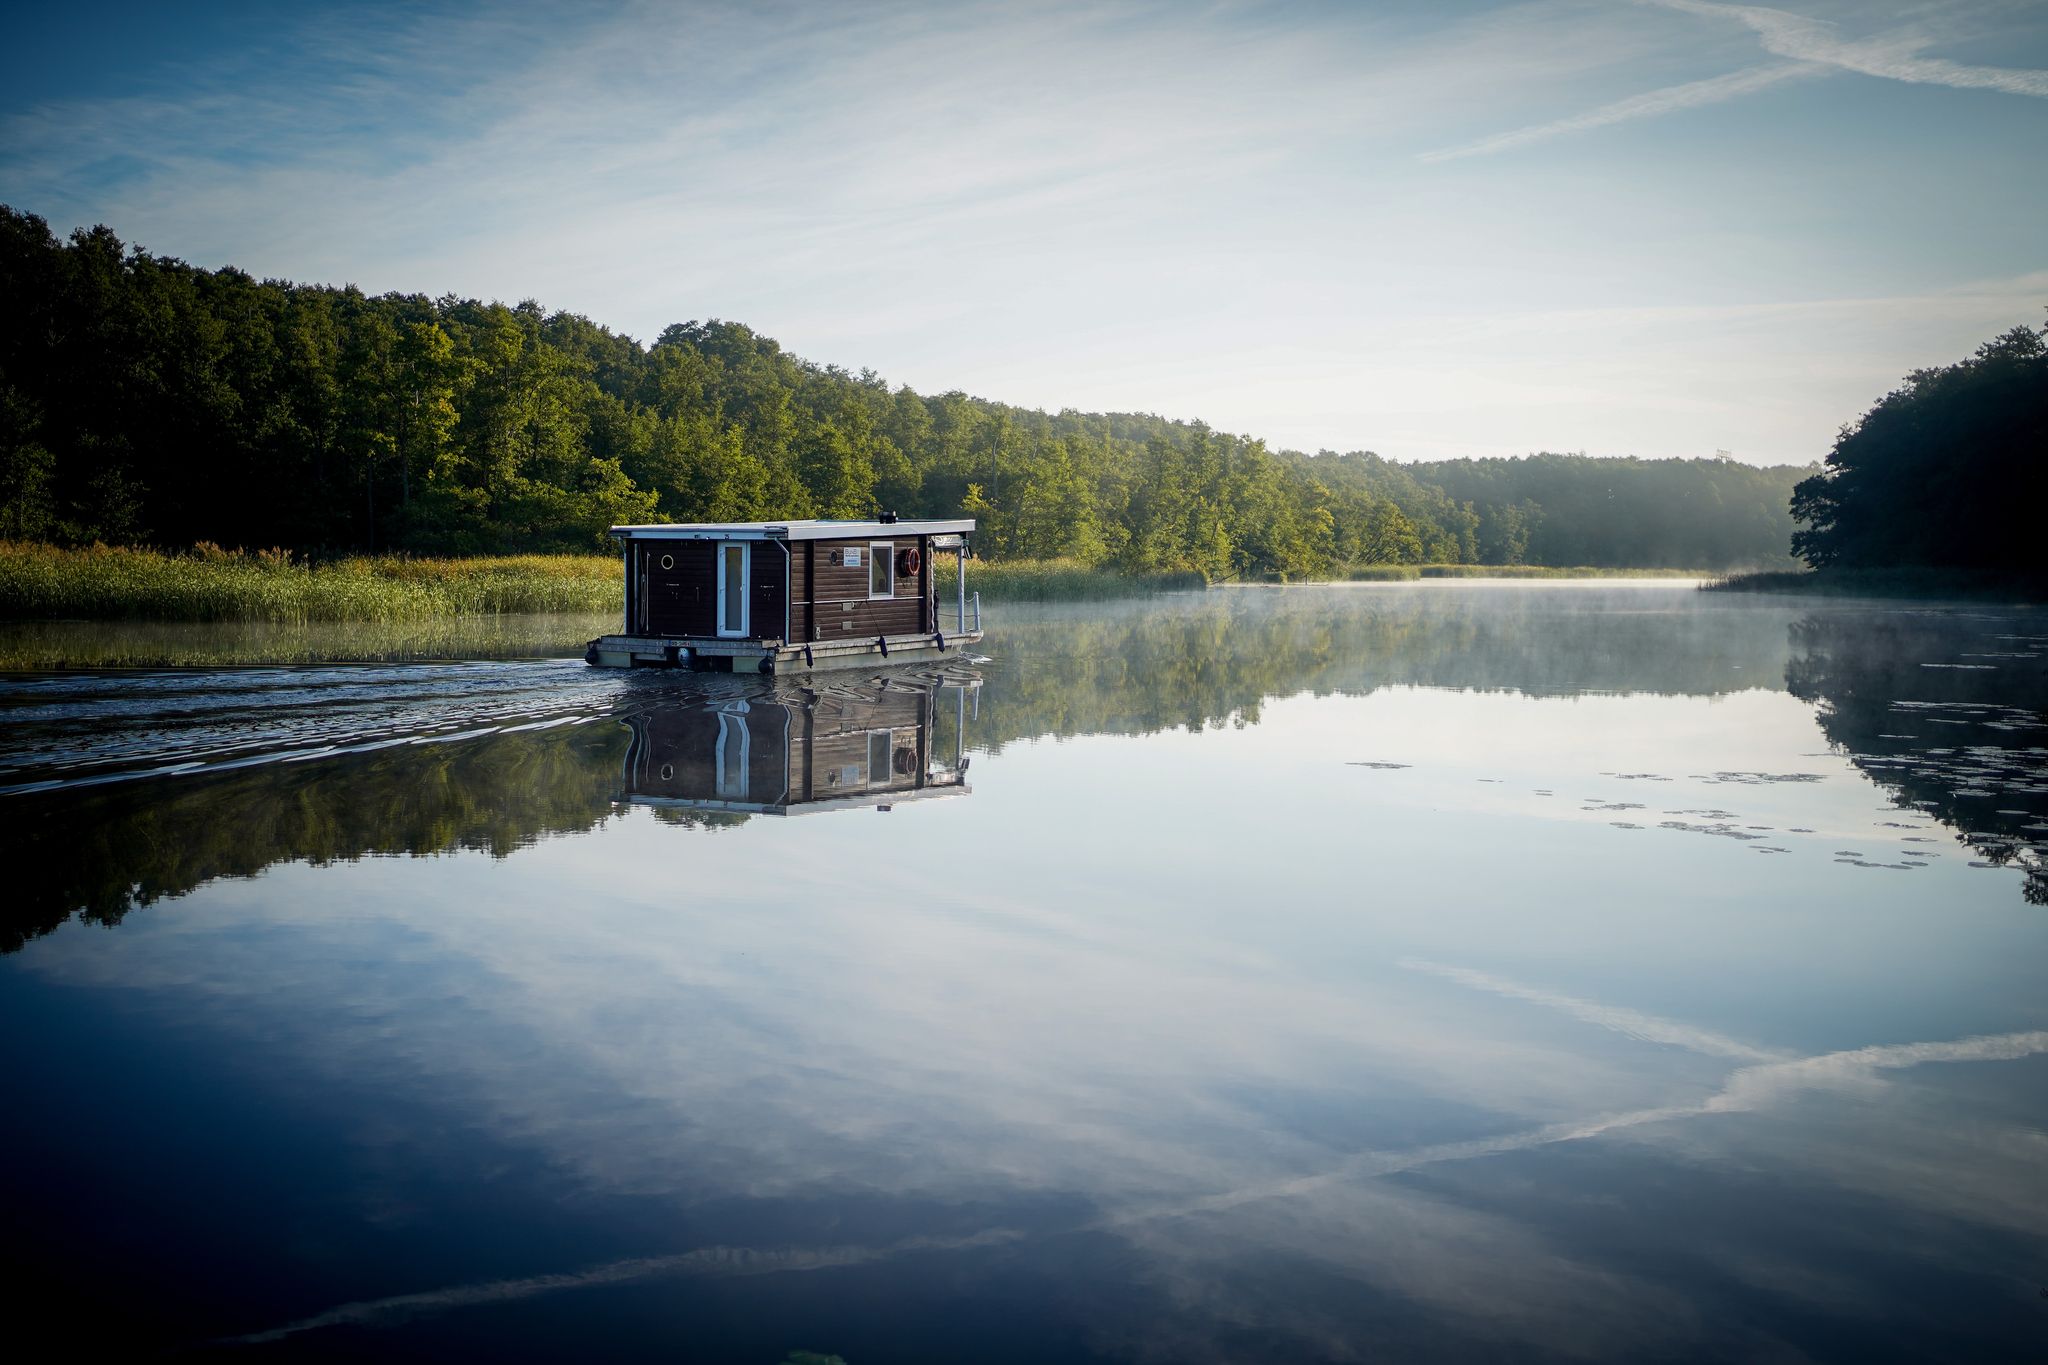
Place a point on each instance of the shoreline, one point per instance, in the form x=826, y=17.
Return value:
x=1897, y=584
x=49, y=584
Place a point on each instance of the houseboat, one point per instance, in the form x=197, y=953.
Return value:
x=775, y=596
x=797, y=755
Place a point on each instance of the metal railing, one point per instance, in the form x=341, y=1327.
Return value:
x=966, y=613
x=960, y=617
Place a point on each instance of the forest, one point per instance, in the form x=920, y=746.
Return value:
x=145, y=401
x=1948, y=471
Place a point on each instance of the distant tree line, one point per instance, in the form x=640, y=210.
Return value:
x=1949, y=470
x=143, y=400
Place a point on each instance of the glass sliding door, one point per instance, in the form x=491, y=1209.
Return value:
x=732, y=588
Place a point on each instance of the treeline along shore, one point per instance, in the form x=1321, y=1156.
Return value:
x=1937, y=490
x=147, y=402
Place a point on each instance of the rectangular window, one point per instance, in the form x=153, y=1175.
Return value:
x=881, y=568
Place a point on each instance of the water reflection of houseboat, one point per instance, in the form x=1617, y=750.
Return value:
x=795, y=753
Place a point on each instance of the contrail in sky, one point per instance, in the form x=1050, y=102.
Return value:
x=1812, y=48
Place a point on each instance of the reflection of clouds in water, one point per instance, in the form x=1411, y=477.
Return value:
x=705, y=1261
x=1854, y=1070
x=1858, y=1068
x=969, y=1042
x=1631, y=1023
x=1374, y=1252
x=1776, y=1074
x=1205, y=1070
x=1396, y=1239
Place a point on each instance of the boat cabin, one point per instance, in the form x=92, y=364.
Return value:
x=783, y=755
x=770, y=596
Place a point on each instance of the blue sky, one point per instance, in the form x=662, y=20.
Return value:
x=1659, y=227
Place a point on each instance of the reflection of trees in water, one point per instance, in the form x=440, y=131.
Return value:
x=101, y=851
x=1197, y=661
x=1946, y=711
x=1211, y=659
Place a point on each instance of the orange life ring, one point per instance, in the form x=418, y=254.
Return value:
x=908, y=562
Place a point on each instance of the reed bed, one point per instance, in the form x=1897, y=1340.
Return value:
x=1402, y=573
x=42, y=646
x=207, y=583
x=1547, y=571
x=1060, y=580
x=43, y=583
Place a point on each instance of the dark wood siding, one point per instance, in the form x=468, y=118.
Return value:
x=841, y=608
x=831, y=753
x=830, y=601
x=675, y=754
x=769, y=570
x=837, y=748
x=804, y=553
x=682, y=599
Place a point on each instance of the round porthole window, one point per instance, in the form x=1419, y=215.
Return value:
x=668, y=772
x=668, y=561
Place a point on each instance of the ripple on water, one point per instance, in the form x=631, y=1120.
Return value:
x=90, y=728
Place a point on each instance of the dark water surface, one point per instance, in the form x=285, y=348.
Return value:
x=1399, y=972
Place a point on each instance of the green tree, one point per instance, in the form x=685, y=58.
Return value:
x=1945, y=471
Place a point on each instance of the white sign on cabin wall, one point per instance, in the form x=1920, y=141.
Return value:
x=853, y=558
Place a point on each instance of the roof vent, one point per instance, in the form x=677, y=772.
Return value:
x=888, y=518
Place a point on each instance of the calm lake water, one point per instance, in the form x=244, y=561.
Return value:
x=1397, y=972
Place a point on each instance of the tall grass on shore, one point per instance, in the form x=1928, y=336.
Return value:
x=43, y=583
x=1402, y=573
x=42, y=646
x=1057, y=580
x=207, y=583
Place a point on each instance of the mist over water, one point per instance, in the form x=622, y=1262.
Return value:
x=1423, y=971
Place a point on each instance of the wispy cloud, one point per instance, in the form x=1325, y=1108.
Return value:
x=1670, y=100
x=1813, y=48
x=1122, y=205
x=1893, y=56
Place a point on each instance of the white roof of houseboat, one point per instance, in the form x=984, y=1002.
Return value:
x=808, y=529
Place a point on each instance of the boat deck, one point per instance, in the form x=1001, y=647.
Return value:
x=706, y=654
